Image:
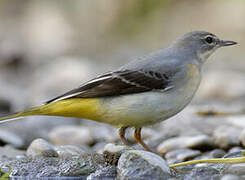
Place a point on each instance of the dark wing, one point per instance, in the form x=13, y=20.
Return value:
x=119, y=83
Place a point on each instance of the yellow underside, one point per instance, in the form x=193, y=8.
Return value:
x=88, y=108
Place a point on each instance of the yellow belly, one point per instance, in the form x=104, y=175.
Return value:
x=88, y=108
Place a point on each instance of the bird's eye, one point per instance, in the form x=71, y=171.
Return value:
x=209, y=40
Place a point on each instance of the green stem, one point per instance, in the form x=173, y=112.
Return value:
x=225, y=160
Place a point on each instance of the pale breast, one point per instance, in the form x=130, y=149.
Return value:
x=150, y=107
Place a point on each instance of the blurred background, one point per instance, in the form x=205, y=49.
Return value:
x=49, y=47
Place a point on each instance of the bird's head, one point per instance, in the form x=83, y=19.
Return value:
x=201, y=43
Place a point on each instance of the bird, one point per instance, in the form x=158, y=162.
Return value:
x=146, y=91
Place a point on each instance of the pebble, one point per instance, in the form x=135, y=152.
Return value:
x=11, y=138
x=113, y=148
x=226, y=136
x=69, y=151
x=196, y=142
x=138, y=164
x=99, y=147
x=71, y=135
x=238, y=121
x=203, y=173
x=41, y=147
x=234, y=154
x=217, y=153
x=230, y=177
x=235, y=169
x=74, y=167
x=180, y=155
x=112, y=152
x=235, y=149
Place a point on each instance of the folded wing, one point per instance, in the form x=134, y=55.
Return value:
x=119, y=83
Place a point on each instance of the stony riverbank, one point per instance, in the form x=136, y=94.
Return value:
x=90, y=150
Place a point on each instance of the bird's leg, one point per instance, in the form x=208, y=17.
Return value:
x=121, y=133
x=137, y=137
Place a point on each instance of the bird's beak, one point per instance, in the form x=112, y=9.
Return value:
x=227, y=43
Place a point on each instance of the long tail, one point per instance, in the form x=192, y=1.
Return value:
x=39, y=110
x=79, y=107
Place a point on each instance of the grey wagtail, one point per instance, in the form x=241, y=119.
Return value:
x=144, y=92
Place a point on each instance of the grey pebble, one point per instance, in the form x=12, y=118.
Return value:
x=36, y=167
x=217, y=153
x=226, y=136
x=137, y=164
x=196, y=142
x=230, y=177
x=235, y=149
x=112, y=152
x=71, y=135
x=203, y=173
x=68, y=151
x=238, y=121
x=41, y=147
x=99, y=147
x=10, y=137
x=235, y=169
x=180, y=155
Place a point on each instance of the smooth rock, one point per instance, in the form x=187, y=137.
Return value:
x=99, y=147
x=68, y=151
x=230, y=177
x=9, y=137
x=238, y=121
x=235, y=169
x=203, y=173
x=234, y=154
x=216, y=153
x=41, y=147
x=226, y=136
x=34, y=168
x=137, y=164
x=235, y=149
x=195, y=142
x=112, y=152
x=71, y=135
x=180, y=155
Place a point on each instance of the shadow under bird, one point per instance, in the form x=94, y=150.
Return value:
x=143, y=92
